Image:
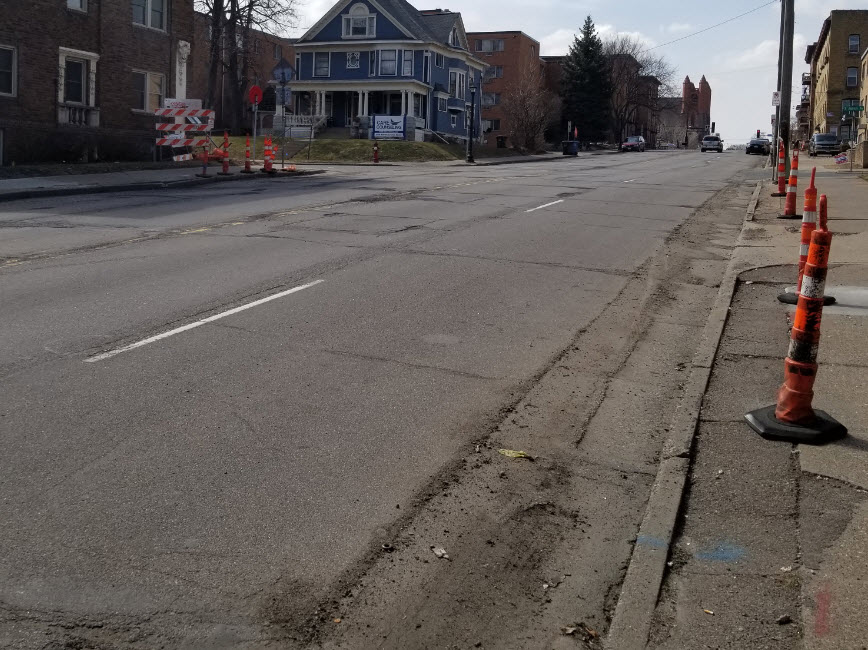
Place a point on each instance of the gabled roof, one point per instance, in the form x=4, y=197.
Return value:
x=422, y=26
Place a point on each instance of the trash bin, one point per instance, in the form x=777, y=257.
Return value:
x=501, y=142
x=570, y=147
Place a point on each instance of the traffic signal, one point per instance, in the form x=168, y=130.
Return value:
x=713, y=125
x=757, y=133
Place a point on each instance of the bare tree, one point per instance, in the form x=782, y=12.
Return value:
x=529, y=109
x=638, y=78
x=231, y=25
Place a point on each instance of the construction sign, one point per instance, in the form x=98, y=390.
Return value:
x=183, y=123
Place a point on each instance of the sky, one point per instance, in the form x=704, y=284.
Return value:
x=739, y=58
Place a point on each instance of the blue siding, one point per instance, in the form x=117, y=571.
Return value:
x=334, y=31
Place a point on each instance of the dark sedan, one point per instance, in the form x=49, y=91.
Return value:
x=634, y=143
x=760, y=146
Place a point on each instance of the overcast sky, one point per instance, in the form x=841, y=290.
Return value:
x=739, y=58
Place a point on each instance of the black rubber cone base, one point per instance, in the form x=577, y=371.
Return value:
x=793, y=299
x=779, y=195
x=789, y=216
x=823, y=430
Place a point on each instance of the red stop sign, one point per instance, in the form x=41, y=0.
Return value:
x=255, y=95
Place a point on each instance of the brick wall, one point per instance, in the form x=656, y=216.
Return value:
x=38, y=29
x=519, y=51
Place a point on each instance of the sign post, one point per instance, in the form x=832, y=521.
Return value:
x=255, y=97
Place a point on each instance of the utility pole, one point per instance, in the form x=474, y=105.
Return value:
x=777, y=124
x=787, y=78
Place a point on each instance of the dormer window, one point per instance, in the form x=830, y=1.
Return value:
x=454, y=39
x=360, y=22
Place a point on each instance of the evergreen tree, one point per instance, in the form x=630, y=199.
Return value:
x=586, y=89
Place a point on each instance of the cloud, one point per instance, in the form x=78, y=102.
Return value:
x=676, y=28
x=608, y=32
x=821, y=8
x=763, y=53
x=557, y=43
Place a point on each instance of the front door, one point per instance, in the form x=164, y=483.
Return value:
x=352, y=107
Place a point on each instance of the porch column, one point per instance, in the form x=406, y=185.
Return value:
x=361, y=103
x=403, y=102
x=367, y=109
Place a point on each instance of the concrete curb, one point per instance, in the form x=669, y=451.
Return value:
x=138, y=187
x=637, y=601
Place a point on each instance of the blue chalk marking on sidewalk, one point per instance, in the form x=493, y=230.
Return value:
x=723, y=552
x=653, y=542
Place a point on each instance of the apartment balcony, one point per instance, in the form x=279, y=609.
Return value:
x=78, y=115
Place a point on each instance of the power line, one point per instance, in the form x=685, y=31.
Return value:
x=702, y=31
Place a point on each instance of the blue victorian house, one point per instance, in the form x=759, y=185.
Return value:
x=386, y=58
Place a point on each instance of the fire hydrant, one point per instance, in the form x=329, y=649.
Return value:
x=376, y=152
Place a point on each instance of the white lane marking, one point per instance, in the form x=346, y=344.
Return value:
x=632, y=180
x=132, y=346
x=547, y=205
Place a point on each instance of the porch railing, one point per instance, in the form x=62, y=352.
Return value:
x=77, y=115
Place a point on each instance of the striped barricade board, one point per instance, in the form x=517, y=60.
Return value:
x=190, y=127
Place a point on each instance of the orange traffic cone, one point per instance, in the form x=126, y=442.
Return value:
x=793, y=418
x=247, y=169
x=782, y=171
x=792, y=189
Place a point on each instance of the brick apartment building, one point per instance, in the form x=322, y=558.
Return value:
x=834, y=80
x=80, y=78
x=265, y=52
x=508, y=55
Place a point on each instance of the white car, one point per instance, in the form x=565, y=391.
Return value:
x=711, y=143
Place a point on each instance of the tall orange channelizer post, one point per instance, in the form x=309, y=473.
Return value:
x=782, y=171
x=268, y=168
x=809, y=225
x=224, y=157
x=204, y=159
x=793, y=418
x=792, y=190
x=247, y=169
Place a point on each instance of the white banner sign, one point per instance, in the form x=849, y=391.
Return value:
x=185, y=104
x=388, y=127
x=776, y=98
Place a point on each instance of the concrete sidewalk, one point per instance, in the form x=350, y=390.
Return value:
x=771, y=549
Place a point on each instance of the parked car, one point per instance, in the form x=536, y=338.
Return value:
x=824, y=143
x=760, y=146
x=633, y=143
x=711, y=143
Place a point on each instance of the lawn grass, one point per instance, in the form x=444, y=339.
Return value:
x=362, y=151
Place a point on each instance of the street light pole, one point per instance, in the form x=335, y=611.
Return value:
x=787, y=80
x=470, y=159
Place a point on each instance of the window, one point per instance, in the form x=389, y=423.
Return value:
x=278, y=52
x=389, y=62
x=408, y=63
x=372, y=63
x=852, y=77
x=354, y=60
x=454, y=39
x=438, y=60
x=490, y=99
x=148, y=89
x=359, y=23
x=321, y=64
x=150, y=13
x=457, y=84
x=490, y=125
x=75, y=81
x=454, y=120
x=257, y=46
x=853, y=43
x=426, y=68
x=8, y=71
x=492, y=72
x=441, y=104
x=78, y=5
x=490, y=45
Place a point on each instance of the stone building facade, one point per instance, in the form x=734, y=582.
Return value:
x=80, y=78
x=834, y=80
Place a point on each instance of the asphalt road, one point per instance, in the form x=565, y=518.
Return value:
x=175, y=474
